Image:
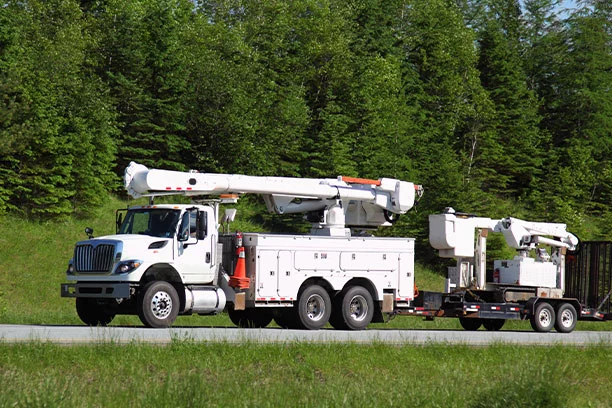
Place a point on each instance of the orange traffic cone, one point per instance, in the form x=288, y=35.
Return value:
x=240, y=280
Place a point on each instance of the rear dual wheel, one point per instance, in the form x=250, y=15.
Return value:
x=313, y=308
x=353, y=309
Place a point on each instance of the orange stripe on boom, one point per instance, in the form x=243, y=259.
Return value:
x=357, y=180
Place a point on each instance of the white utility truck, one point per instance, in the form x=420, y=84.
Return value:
x=167, y=260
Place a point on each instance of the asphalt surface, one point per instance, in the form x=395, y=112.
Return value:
x=125, y=335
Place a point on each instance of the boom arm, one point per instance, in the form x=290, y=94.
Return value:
x=340, y=202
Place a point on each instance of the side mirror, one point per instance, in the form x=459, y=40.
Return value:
x=118, y=222
x=89, y=232
x=202, y=225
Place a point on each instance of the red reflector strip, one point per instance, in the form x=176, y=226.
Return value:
x=357, y=180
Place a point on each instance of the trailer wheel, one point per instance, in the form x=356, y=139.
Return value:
x=158, y=304
x=566, y=318
x=91, y=313
x=313, y=308
x=249, y=318
x=470, y=323
x=493, y=324
x=357, y=308
x=543, y=318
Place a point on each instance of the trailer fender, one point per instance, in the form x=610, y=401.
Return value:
x=555, y=303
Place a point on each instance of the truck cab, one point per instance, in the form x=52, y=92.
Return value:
x=172, y=244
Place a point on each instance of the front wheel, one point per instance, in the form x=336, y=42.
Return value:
x=543, y=318
x=566, y=318
x=158, y=304
x=91, y=313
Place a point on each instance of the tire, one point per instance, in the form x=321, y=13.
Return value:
x=249, y=318
x=158, y=304
x=285, y=318
x=91, y=313
x=313, y=308
x=566, y=318
x=335, y=319
x=470, y=323
x=493, y=324
x=543, y=318
x=357, y=308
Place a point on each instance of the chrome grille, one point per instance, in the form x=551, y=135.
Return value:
x=89, y=258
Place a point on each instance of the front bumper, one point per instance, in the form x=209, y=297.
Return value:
x=97, y=290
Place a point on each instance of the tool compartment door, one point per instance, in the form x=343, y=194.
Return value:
x=266, y=273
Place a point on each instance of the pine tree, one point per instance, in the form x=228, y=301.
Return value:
x=140, y=58
x=513, y=157
x=54, y=113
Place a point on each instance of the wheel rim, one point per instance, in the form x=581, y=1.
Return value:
x=315, y=307
x=567, y=318
x=545, y=318
x=358, y=308
x=161, y=305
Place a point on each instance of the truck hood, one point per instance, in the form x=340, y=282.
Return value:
x=133, y=247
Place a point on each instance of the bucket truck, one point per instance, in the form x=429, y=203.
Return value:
x=167, y=260
x=526, y=287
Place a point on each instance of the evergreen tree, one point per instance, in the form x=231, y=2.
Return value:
x=140, y=58
x=442, y=84
x=53, y=113
x=512, y=158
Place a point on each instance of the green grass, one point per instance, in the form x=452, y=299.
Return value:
x=185, y=374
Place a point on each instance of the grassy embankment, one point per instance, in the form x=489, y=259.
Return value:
x=33, y=258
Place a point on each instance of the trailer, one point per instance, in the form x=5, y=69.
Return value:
x=552, y=290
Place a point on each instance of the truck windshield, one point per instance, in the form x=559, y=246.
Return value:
x=155, y=222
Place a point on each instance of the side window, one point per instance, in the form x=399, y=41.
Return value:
x=193, y=224
x=202, y=225
x=184, y=230
x=189, y=224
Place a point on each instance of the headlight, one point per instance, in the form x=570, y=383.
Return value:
x=127, y=267
x=70, y=270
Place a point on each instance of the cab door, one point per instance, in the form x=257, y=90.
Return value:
x=194, y=259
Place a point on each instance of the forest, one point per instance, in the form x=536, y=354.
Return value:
x=496, y=107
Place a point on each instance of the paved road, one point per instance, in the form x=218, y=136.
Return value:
x=122, y=335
